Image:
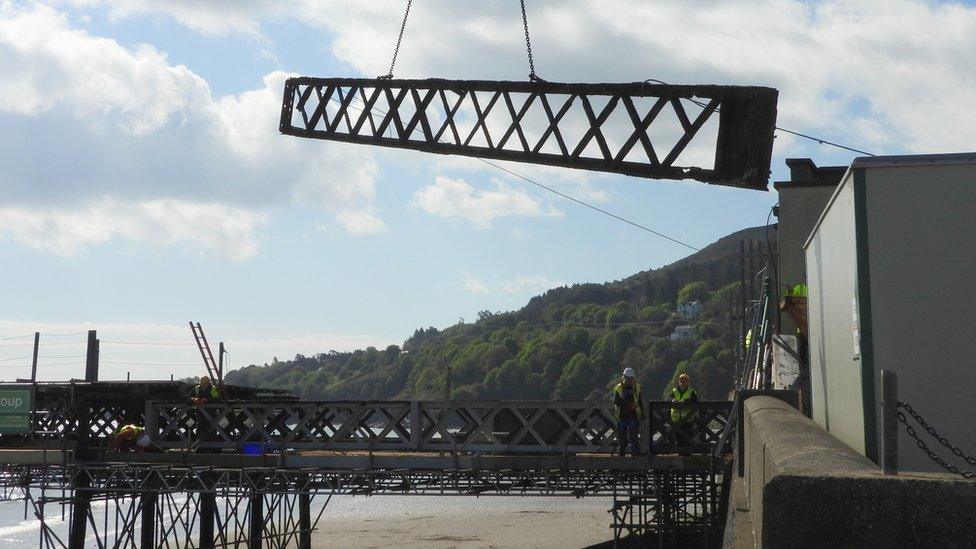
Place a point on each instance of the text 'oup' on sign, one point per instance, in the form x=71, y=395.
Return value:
x=15, y=407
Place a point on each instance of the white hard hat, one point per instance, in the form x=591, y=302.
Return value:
x=629, y=372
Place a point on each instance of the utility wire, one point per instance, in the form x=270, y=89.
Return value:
x=180, y=364
x=590, y=206
x=798, y=134
x=118, y=342
x=604, y=324
x=550, y=189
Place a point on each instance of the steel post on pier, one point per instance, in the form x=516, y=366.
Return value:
x=256, y=523
x=208, y=511
x=889, y=422
x=147, y=534
x=304, y=520
x=80, y=505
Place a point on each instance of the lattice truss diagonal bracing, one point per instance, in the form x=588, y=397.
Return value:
x=716, y=134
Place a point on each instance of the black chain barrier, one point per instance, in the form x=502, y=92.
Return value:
x=935, y=434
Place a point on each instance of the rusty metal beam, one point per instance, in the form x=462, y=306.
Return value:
x=556, y=124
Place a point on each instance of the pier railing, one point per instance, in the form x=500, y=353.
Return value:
x=502, y=427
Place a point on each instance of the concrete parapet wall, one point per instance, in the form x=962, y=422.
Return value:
x=806, y=488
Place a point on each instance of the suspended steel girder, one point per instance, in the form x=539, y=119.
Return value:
x=640, y=129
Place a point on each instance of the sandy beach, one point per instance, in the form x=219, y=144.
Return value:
x=443, y=522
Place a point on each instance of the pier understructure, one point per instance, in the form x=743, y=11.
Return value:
x=200, y=488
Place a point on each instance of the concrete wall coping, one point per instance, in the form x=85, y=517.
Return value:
x=805, y=488
x=798, y=446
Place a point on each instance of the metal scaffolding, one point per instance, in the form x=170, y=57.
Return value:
x=160, y=505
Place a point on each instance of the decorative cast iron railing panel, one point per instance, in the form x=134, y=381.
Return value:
x=512, y=427
x=699, y=434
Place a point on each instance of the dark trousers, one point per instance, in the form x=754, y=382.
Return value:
x=628, y=430
x=684, y=434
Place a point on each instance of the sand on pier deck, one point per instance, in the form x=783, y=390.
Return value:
x=466, y=522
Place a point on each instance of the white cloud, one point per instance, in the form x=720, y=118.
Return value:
x=213, y=17
x=530, y=284
x=831, y=60
x=361, y=223
x=46, y=64
x=135, y=138
x=474, y=284
x=456, y=200
x=211, y=228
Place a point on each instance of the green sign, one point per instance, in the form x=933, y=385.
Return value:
x=15, y=408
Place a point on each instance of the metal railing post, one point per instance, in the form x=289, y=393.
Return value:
x=889, y=422
x=416, y=429
x=645, y=431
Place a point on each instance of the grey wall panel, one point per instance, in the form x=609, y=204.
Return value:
x=799, y=209
x=835, y=368
x=922, y=248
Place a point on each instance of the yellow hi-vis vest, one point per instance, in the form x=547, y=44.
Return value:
x=682, y=415
x=130, y=431
x=634, y=394
x=214, y=393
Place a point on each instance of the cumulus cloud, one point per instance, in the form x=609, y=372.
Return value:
x=361, y=223
x=530, y=284
x=213, y=17
x=456, y=200
x=133, y=134
x=211, y=228
x=832, y=61
x=45, y=63
x=474, y=284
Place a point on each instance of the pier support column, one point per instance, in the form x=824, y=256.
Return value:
x=208, y=512
x=257, y=521
x=147, y=535
x=79, y=512
x=304, y=520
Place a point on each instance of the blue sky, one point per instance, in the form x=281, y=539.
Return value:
x=146, y=184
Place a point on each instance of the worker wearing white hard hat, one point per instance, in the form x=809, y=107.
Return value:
x=628, y=402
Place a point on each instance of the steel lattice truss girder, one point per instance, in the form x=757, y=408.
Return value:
x=557, y=124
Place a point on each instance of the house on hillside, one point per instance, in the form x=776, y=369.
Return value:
x=690, y=310
x=682, y=333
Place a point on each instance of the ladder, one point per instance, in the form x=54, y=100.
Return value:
x=208, y=359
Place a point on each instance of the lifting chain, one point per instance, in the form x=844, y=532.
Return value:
x=935, y=434
x=396, y=50
x=528, y=46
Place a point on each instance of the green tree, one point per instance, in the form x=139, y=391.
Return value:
x=693, y=291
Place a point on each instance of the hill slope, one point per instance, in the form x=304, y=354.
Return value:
x=570, y=343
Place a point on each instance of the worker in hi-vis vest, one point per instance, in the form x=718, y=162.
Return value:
x=129, y=438
x=683, y=431
x=202, y=394
x=628, y=403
